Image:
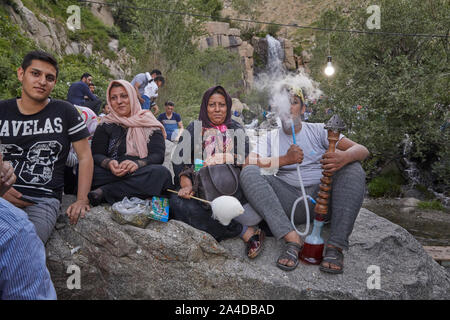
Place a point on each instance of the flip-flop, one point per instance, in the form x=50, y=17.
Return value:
x=291, y=253
x=333, y=256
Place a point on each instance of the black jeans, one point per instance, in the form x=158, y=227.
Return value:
x=196, y=215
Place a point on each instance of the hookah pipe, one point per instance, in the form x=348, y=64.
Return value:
x=312, y=251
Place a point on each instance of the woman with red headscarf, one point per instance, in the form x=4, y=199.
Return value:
x=215, y=138
x=128, y=149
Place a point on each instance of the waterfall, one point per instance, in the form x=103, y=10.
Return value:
x=275, y=57
x=414, y=174
x=411, y=168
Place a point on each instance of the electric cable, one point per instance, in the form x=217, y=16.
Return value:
x=292, y=25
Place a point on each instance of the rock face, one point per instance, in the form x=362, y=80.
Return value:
x=51, y=35
x=219, y=34
x=102, y=12
x=175, y=261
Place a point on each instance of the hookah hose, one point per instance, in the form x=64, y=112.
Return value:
x=304, y=197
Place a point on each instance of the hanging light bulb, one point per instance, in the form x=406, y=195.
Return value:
x=329, y=70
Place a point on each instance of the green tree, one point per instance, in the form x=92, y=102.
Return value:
x=198, y=72
x=13, y=47
x=402, y=82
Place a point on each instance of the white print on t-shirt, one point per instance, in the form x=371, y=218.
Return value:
x=31, y=127
x=13, y=151
x=39, y=164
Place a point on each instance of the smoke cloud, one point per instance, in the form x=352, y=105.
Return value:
x=276, y=81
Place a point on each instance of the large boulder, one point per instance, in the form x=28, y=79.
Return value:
x=175, y=261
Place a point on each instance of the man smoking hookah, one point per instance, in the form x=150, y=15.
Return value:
x=273, y=196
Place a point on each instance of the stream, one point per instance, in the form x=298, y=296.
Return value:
x=429, y=227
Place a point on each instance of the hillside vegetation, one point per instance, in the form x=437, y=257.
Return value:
x=401, y=82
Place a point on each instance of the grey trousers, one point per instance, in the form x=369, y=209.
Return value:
x=273, y=199
x=43, y=215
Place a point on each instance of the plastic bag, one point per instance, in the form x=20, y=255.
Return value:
x=132, y=206
x=157, y=208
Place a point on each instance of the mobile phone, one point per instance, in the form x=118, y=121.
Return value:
x=27, y=200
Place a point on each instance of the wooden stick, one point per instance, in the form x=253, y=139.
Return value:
x=202, y=200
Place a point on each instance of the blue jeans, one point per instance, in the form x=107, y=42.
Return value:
x=146, y=104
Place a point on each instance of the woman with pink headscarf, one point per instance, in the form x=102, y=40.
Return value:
x=128, y=149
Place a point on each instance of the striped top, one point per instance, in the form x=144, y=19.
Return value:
x=23, y=272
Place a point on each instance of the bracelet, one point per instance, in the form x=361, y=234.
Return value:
x=105, y=163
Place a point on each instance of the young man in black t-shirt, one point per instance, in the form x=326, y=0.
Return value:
x=36, y=133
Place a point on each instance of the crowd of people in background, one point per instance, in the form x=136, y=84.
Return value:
x=50, y=147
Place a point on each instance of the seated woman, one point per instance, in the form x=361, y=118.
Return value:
x=128, y=149
x=214, y=120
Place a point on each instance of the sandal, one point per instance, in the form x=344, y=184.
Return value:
x=291, y=253
x=254, y=244
x=333, y=256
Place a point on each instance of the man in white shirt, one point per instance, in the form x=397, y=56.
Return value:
x=151, y=93
x=273, y=196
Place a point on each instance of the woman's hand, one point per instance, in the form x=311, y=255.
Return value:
x=115, y=169
x=186, y=188
x=128, y=166
x=186, y=192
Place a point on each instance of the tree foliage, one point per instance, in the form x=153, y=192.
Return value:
x=13, y=46
x=197, y=73
x=402, y=82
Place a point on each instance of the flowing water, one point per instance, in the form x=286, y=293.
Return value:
x=275, y=57
x=413, y=173
x=429, y=227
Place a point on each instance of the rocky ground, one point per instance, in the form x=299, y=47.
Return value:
x=429, y=227
x=175, y=261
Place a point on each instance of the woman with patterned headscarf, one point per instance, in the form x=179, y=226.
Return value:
x=214, y=141
x=128, y=149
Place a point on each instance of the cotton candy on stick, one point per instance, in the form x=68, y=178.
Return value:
x=224, y=208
